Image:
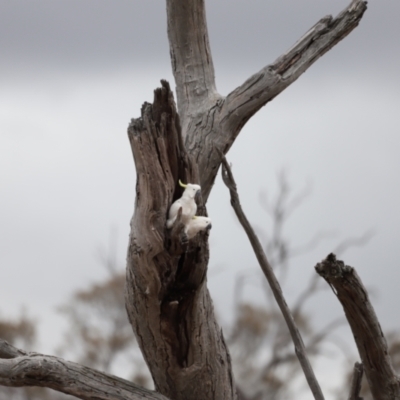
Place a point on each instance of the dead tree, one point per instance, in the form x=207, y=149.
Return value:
x=167, y=299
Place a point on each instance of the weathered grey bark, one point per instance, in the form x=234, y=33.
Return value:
x=167, y=299
x=367, y=332
x=191, y=58
x=19, y=368
x=300, y=349
x=210, y=121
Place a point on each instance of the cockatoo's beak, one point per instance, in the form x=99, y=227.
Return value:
x=197, y=195
x=209, y=226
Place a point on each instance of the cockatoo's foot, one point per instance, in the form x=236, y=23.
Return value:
x=184, y=239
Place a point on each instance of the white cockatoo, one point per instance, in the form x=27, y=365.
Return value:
x=197, y=224
x=186, y=202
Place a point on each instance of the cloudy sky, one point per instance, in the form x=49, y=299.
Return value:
x=73, y=73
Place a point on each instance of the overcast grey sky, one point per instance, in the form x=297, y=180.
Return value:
x=73, y=73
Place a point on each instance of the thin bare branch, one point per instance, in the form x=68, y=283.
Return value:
x=354, y=241
x=312, y=348
x=275, y=287
x=329, y=328
x=18, y=368
x=313, y=243
x=356, y=382
x=367, y=332
x=310, y=290
x=262, y=87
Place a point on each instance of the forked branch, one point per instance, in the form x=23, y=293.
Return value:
x=263, y=86
x=211, y=122
x=229, y=181
x=370, y=341
x=19, y=368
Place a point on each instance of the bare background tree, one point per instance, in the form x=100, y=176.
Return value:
x=99, y=334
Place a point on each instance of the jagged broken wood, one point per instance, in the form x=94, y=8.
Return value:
x=167, y=299
x=356, y=379
x=300, y=350
x=371, y=343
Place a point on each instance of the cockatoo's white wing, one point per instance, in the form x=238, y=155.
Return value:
x=173, y=212
x=196, y=225
x=189, y=208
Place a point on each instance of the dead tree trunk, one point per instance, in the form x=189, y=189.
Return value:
x=167, y=298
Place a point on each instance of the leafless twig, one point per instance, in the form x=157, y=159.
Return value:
x=353, y=241
x=269, y=274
